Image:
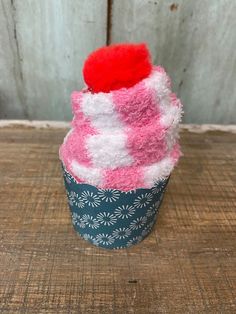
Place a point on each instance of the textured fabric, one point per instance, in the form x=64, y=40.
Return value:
x=125, y=139
x=111, y=218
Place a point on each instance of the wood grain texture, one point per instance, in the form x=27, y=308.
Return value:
x=186, y=265
x=11, y=97
x=195, y=41
x=43, y=45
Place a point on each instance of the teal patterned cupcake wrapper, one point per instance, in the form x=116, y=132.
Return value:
x=110, y=218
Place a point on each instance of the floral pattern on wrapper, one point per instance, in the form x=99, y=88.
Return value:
x=111, y=218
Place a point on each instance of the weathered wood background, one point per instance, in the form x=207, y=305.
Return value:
x=43, y=45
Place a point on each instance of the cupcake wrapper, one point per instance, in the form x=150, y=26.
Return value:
x=110, y=218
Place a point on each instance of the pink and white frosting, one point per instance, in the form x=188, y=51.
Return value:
x=124, y=139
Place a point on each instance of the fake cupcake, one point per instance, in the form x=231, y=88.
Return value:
x=122, y=146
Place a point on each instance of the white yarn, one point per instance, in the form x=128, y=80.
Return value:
x=159, y=82
x=91, y=175
x=108, y=150
x=100, y=110
x=171, y=115
x=158, y=171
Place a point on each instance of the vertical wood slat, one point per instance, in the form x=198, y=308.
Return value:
x=195, y=41
x=43, y=45
x=10, y=79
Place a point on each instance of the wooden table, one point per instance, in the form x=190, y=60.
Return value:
x=186, y=265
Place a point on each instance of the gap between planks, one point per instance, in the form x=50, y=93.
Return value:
x=195, y=128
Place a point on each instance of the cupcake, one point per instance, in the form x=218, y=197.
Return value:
x=122, y=146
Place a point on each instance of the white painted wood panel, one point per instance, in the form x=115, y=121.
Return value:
x=42, y=48
x=196, y=43
x=10, y=82
x=43, y=44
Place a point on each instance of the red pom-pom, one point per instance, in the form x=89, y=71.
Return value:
x=116, y=66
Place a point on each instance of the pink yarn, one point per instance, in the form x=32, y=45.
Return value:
x=147, y=144
x=125, y=179
x=74, y=147
x=76, y=99
x=64, y=156
x=176, y=152
x=136, y=105
x=80, y=122
x=142, y=129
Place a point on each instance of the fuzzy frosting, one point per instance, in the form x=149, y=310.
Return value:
x=124, y=139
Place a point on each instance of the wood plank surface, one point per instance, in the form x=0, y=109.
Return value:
x=194, y=41
x=186, y=265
